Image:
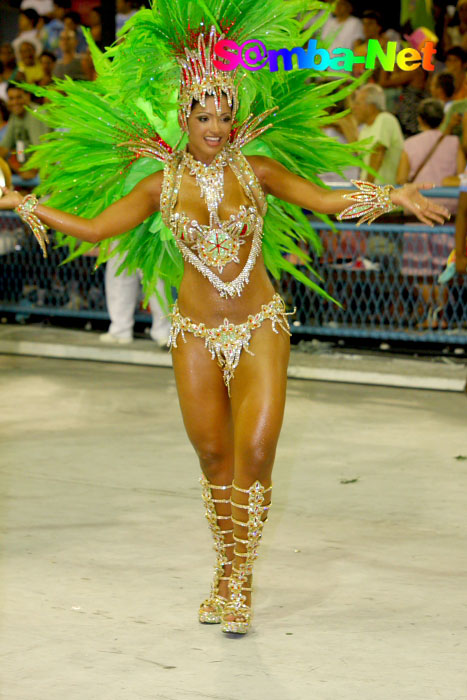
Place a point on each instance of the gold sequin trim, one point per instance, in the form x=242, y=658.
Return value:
x=226, y=342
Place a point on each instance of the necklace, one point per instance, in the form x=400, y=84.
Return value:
x=216, y=244
x=209, y=178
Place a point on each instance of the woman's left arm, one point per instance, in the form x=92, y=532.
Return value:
x=403, y=169
x=275, y=179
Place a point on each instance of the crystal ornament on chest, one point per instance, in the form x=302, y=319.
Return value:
x=216, y=244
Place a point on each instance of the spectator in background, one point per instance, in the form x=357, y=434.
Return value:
x=95, y=25
x=72, y=21
x=28, y=24
x=373, y=28
x=342, y=27
x=87, y=65
x=47, y=60
x=441, y=20
x=125, y=10
x=442, y=88
x=461, y=230
x=432, y=155
x=6, y=172
x=456, y=60
x=384, y=132
x=23, y=130
x=51, y=32
x=70, y=64
x=456, y=35
x=29, y=65
x=121, y=294
x=4, y=116
x=44, y=8
x=344, y=130
x=8, y=69
x=413, y=89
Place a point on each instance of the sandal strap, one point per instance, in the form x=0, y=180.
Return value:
x=246, y=507
x=204, y=481
x=252, y=487
x=243, y=523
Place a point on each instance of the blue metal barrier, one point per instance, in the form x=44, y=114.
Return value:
x=384, y=276
x=30, y=284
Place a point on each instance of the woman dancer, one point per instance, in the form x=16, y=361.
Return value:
x=212, y=198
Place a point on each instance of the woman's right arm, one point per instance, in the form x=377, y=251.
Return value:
x=120, y=217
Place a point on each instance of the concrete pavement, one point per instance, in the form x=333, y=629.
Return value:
x=360, y=586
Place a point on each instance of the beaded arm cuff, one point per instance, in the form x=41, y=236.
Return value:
x=370, y=202
x=25, y=210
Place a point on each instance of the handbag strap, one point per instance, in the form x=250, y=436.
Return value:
x=427, y=157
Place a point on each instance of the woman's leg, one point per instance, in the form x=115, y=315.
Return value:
x=206, y=412
x=258, y=399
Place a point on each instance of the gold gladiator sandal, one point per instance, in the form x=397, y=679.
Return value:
x=246, y=548
x=210, y=611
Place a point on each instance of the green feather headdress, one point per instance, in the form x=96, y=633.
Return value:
x=84, y=168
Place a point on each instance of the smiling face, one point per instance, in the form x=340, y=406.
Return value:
x=27, y=53
x=17, y=101
x=208, y=132
x=47, y=64
x=68, y=41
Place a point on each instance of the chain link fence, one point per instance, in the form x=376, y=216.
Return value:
x=385, y=277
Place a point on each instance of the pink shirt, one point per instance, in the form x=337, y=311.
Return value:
x=441, y=164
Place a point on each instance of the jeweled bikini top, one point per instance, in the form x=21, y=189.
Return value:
x=217, y=243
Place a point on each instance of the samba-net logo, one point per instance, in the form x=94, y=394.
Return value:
x=253, y=55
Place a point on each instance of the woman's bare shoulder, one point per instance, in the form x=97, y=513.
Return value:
x=152, y=185
x=262, y=167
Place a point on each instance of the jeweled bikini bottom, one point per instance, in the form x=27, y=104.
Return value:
x=226, y=342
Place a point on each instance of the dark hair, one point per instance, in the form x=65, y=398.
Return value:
x=49, y=54
x=431, y=111
x=337, y=107
x=457, y=52
x=13, y=86
x=32, y=16
x=197, y=102
x=74, y=16
x=377, y=16
x=64, y=4
x=4, y=111
x=29, y=43
x=445, y=81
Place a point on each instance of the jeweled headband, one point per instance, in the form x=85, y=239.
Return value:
x=201, y=78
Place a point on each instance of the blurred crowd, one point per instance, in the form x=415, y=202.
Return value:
x=49, y=42
x=415, y=120
x=403, y=113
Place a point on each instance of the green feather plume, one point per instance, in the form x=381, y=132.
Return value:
x=83, y=169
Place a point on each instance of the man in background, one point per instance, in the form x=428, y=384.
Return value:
x=70, y=63
x=23, y=130
x=383, y=131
